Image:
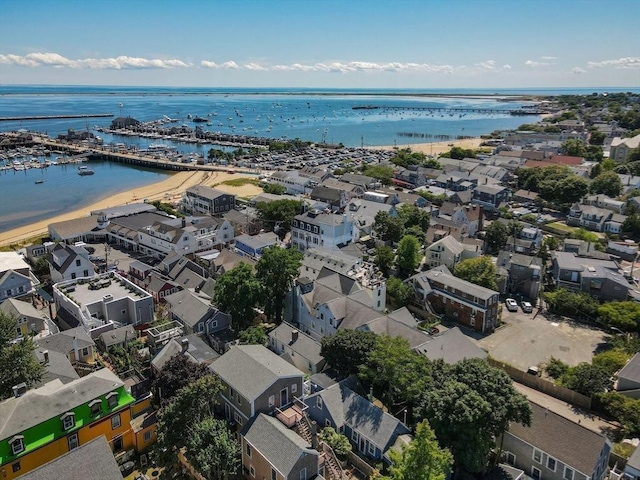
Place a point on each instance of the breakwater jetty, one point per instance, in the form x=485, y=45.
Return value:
x=54, y=117
x=453, y=110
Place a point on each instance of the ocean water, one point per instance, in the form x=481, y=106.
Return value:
x=318, y=115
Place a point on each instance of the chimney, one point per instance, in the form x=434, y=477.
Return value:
x=76, y=351
x=314, y=434
x=19, y=390
x=185, y=344
x=45, y=354
x=294, y=335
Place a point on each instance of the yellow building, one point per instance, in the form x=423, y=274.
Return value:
x=47, y=422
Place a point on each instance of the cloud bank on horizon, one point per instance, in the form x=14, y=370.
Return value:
x=124, y=62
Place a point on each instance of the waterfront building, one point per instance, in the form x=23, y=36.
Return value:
x=207, y=201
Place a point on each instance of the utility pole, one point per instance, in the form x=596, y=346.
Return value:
x=107, y=249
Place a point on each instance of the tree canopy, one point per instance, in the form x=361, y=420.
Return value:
x=382, y=173
x=237, y=292
x=422, y=458
x=274, y=188
x=276, y=271
x=409, y=254
x=555, y=184
x=607, y=183
x=212, y=449
x=384, y=258
x=400, y=291
x=388, y=228
x=496, y=236
x=277, y=216
x=348, y=349
x=480, y=271
x=622, y=315
x=177, y=373
x=17, y=358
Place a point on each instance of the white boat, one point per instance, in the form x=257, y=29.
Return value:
x=83, y=170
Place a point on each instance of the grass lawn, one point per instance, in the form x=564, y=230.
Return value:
x=239, y=182
x=561, y=226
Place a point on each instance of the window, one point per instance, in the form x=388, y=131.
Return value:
x=372, y=449
x=115, y=422
x=510, y=458
x=17, y=444
x=147, y=436
x=112, y=399
x=568, y=473
x=68, y=421
x=272, y=400
x=72, y=441
x=73, y=276
x=303, y=474
x=294, y=387
x=274, y=476
x=237, y=418
x=537, y=455
x=551, y=464
x=78, y=263
x=248, y=450
x=85, y=351
x=16, y=467
x=95, y=407
x=341, y=429
x=354, y=436
x=85, y=273
x=327, y=422
x=536, y=474
x=239, y=400
x=252, y=471
x=319, y=402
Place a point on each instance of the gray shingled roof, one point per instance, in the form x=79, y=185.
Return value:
x=251, y=369
x=304, y=345
x=118, y=335
x=570, y=443
x=346, y=406
x=95, y=455
x=206, y=192
x=53, y=399
x=451, y=346
x=63, y=342
x=282, y=447
x=443, y=276
x=631, y=371
x=188, y=307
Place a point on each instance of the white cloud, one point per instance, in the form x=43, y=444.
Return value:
x=117, y=63
x=488, y=65
x=230, y=65
x=549, y=58
x=578, y=70
x=506, y=67
x=532, y=63
x=625, y=62
x=208, y=64
x=255, y=66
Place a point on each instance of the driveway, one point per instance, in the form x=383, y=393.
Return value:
x=529, y=339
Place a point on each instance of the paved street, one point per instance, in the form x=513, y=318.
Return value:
x=526, y=340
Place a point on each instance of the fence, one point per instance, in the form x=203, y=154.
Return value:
x=543, y=385
x=360, y=465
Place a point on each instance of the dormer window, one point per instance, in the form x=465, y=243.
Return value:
x=112, y=399
x=68, y=421
x=95, y=407
x=17, y=444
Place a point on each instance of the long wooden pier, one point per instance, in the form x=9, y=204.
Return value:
x=53, y=117
x=492, y=111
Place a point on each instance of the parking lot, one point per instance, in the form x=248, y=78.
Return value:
x=529, y=339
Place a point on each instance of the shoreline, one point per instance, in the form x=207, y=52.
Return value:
x=173, y=186
x=435, y=148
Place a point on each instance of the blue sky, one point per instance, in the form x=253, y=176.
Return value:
x=316, y=43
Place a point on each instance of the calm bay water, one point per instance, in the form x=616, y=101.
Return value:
x=319, y=115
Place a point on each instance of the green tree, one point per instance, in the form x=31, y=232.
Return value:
x=514, y=228
x=583, y=234
x=348, y=349
x=607, y=183
x=276, y=270
x=388, y=228
x=384, y=258
x=274, y=188
x=597, y=138
x=625, y=410
x=254, y=335
x=278, y=215
x=631, y=225
x=587, y=379
x=556, y=368
x=422, y=458
x=579, y=304
x=190, y=406
x=412, y=216
x=338, y=442
x=213, y=449
x=496, y=236
x=573, y=147
x=551, y=242
x=611, y=360
x=176, y=374
x=237, y=292
x=409, y=254
x=400, y=291
x=381, y=173
x=17, y=359
x=480, y=271
x=622, y=315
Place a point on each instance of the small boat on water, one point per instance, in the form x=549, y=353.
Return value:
x=39, y=181
x=85, y=171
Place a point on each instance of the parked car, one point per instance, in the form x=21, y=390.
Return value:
x=526, y=307
x=511, y=304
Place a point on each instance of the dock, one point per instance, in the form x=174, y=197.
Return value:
x=53, y=117
x=452, y=110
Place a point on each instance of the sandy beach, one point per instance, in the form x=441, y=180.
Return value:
x=169, y=190
x=436, y=148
